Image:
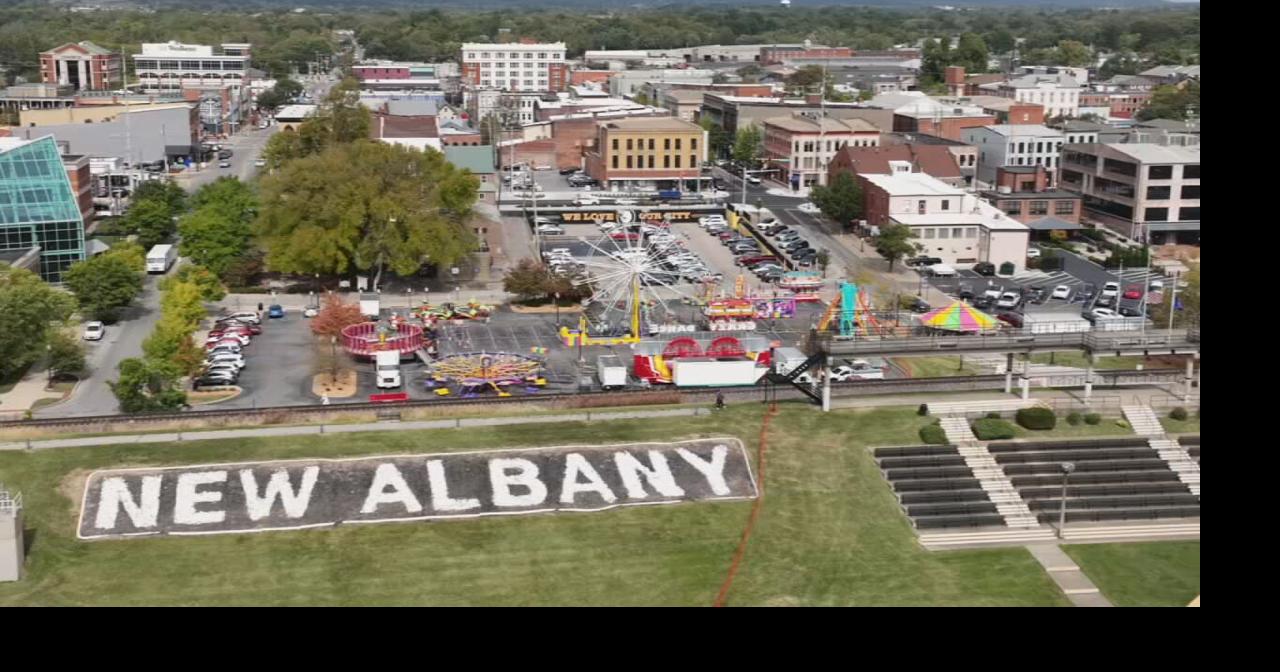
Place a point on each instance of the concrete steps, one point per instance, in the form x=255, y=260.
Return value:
x=1143, y=420
x=944, y=540
x=988, y=538
x=1132, y=532
x=1009, y=504
x=1180, y=462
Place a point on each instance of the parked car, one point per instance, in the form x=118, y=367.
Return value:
x=549, y=229
x=966, y=292
x=224, y=164
x=768, y=224
x=1131, y=311
x=778, y=231
x=920, y=306
x=752, y=179
x=275, y=311
x=1133, y=292
x=586, y=200
x=310, y=311
x=94, y=331
x=983, y=302
x=569, y=171
x=624, y=235
x=985, y=268
x=625, y=201
x=1156, y=285
x=1009, y=300
x=260, y=163
x=212, y=380
x=918, y=262
x=1110, y=290
x=243, y=316
x=1033, y=252
x=1010, y=318
x=810, y=208
x=1062, y=292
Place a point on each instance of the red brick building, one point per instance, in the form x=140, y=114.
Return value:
x=934, y=160
x=83, y=65
x=1023, y=193
x=775, y=55
x=77, y=167
x=579, y=77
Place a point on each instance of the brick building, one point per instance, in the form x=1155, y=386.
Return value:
x=801, y=148
x=784, y=53
x=516, y=67
x=84, y=66
x=657, y=151
x=934, y=160
x=1023, y=193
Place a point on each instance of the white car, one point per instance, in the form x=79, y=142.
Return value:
x=1008, y=300
x=625, y=201
x=1061, y=292
x=768, y=224
x=752, y=179
x=859, y=369
x=94, y=331
x=586, y=200
x=310, y=311
x=228, y=338
x=1110, y=290
x=224, y=164
x=246, y=317
x=1103, y=314
x=1033, y=252
x=260, y=163
x=1156, y=286
x=810, y=208
x=548, y=229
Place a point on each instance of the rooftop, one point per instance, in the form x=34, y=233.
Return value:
x=803, y=124
x=1152, y=153
x=477, y=158
x=933, y=160
x=1036, y=130
x=8, y=144
x=1062, y=80
x=412, y=108
x=913, y=184
x=292, y=112
x=86, y=46
x=653, y=124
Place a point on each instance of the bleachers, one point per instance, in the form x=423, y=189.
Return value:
x=936, y=487
x=1192, y=444
x=1114, y=479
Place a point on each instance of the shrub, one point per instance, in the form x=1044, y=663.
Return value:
x=923, y=410
x=1178, y=413
x=990, y=429
x=1036, y=417
x=1092, y=419
x=1074, y=418
x=933, y=434
x=994, y=415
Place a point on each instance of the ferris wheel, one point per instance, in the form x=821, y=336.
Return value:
x=632, y=284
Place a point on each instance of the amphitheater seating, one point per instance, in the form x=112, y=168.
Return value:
x=936, y=487
x=1114, y=479
x=1192, y=444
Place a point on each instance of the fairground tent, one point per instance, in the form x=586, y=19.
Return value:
x=958, y=316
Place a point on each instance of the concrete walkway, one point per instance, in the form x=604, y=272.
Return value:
x=1141, y=395
x=1064, y=572
x=27, y=391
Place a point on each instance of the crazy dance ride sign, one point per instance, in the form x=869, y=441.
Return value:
x=297, y=494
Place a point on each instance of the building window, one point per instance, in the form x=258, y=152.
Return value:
x=1064, y=207
x=615, y=144
x=1191, y=172
x=693, y=161
x=1160, y=172
x=971, y=232
x=666, y=143
x=1159, y=193
x=957, y=233
x=929, y=233
x=677, y=146
x=666, y=160
x=1191, y=191
x=629, y=148
x=628, y=161
x=1156, y=215
x=1189, y=215
x=542, y=55
x=944, y=234
x=651, y=142
x=693, y=144
x=677, y=160
x=1011, y=207
x=1039, y=208
x=946, y=205
x=921, y=206
x=651, y=161
x=615, y=161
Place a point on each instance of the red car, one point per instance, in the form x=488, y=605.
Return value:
x=624, y=235
x=1134, y=292
x=251, y=328
x=753, y=259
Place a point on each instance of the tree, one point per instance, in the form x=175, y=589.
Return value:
x=528, y=280
x=1073, y=54
x=132, y=253
x=103, y=285
x=208, y=284
x=747, y=145
x=31, y=309
x=640, y=99
x=340, y=119
x=229, y=197
x=1000, y=41
x=183, y=302
x=165, y=191
x=288, y=88
x=717, y=139
x=366, y=205
x=214, y=240
x=823, y=257
x=1171, y=102
x=335, y=315
x=971, y=53
x=171, y=342
x=1188, y=298
x=806, y=77
x=841, y=200
x=749, y=72
x=66, y=354
x=148, y=385
x=151, y=219
x=895, y=242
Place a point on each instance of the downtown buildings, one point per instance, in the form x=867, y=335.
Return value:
x=39, y=207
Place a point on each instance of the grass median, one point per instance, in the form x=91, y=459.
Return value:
x=1155, y=574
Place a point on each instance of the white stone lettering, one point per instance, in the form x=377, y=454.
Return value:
x=440, y=499
x=114, y=494
x=278, y=487
x=388, y=476
x=713, y=470
x=658, y=476
x=576, y=465
x=502, y=478
x=187, y=496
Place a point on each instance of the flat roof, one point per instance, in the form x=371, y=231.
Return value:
x=653, y=124
x=1153, y=153
x=1053, y=224
x=1038, y=130
x=296, y=111
x=805, y=124
x=913, y=184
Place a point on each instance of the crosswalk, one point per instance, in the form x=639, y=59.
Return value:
x=1136, y=276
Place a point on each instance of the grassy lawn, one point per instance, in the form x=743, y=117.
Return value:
x=1155, y=574
x=1062, y=430
x=1078, y=359
x=830, y=532
x=934, y=367
x=1189, y=426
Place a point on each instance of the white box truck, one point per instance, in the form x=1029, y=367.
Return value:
x=788, y=360
x=161, y=257
x=611, y=372
x=370, y=305
x=711, y=372
x=387, y=365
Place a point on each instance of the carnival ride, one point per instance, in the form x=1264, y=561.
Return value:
x=367, y=338
x=742, y=311
x=804, y=285
x=630, y=290
x=719, y=361
x=473, y=310
x=474, y=373
x=852, y=313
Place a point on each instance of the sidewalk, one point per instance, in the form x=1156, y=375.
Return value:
x=27, y=391
x=1064, y=572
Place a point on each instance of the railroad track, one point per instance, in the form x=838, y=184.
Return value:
x=584, y=399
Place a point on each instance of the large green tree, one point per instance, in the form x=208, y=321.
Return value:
x=66, y=354
x=971, y=53
x=367, y=205
x=148, y=385
x=748, y=145
x=30, y=311
x=895, y=242
x=103, y=285
x=340, y=119
x=1172, y=102
x=165, y=191
x=841, y=200
x=152, y=220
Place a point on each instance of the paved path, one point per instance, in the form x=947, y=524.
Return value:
x=1064, y=572
x=27, y=391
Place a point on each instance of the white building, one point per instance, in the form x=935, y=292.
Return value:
x=629, y=82
x=1142, y=191
x=172, y=66
x=1014, y=145
x=1058, y=93
x=515, y=67
x=949, y=223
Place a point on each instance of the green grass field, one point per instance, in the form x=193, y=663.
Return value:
x=1062, y=430
x=830, y=533
x=1156, y=574
x=1189, y=426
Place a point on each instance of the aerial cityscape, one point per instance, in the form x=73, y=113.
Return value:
x=889, y=303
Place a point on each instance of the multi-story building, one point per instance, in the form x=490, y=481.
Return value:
x=1014, y=145
x=801, y=147
x=631, y=82
x=965, y=155
x=137, y=134
x=84, y=66
x=784, y=54
x=522, y=66
x=1023, y=194
x=735, y=112
x=653, y=151
x=914, y=112
x=38, y=206
x=891, y=159
x=948, y=222
x=1141, y=191
x=1058, y=93
x=173, y=66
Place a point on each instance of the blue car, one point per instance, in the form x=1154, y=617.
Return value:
x=275, y=310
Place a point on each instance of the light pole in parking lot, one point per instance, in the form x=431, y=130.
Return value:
x=1067, y=468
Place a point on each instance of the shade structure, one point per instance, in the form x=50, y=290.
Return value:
x=959, y=316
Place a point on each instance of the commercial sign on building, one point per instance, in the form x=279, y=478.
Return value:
x=627, y=216
x=296, y=494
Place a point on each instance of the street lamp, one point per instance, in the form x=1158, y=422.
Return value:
x=1067, y=468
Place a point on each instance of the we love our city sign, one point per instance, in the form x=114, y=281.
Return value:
x=297, y=494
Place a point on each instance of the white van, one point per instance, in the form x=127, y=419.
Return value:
x=161, y=257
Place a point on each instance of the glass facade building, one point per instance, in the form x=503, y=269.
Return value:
x=38, y=206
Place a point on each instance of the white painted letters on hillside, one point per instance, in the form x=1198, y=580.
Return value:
x=388, y=476
x=188, y=496
x=278, y=487
x=114, y=495
x=515, y=471
x=576, y=465
x=713, y=470
x=440, y=499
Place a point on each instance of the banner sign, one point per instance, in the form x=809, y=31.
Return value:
x=595, y=217
x=296, y=494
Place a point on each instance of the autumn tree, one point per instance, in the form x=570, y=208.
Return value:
x=335, y=315
x=528, y=280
